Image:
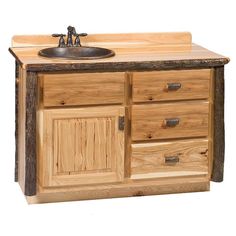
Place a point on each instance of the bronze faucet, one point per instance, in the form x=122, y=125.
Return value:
x=69, y=42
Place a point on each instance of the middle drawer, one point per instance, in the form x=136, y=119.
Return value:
x=170, y=120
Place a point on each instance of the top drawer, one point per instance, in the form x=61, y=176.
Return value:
x=82, y=89
x=171, y=85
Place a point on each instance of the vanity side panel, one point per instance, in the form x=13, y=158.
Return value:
x=219, y=132
x=17, y=68
x=20, y=126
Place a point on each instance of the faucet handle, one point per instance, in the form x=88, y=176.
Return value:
x=81, y=34
x=62, y=43
x=77, y=39
x=58, y=35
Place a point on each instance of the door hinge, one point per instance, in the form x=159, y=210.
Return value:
x=121, y=123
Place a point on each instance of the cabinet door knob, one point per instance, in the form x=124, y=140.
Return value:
x=173, y=86
x=171, y=159
x=172, y=122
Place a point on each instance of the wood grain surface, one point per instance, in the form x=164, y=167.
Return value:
x=153, y=86
x=126, y=189
x=148, y=121
x=153, y=51
x=82, y=89
x=21, y=129
x=81, y=146
x=100, y=40
x=149, y=159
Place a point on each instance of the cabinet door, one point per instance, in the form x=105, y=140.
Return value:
x=81, y=146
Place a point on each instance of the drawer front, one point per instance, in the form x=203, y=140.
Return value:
x=170, y=120
x=81, y=89
x=169, y=159
x=171, y=85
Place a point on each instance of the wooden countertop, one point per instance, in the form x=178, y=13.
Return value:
x=147, y=51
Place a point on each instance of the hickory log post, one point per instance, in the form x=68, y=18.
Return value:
x=30, y=134
x=16, y=118
x=219, y=131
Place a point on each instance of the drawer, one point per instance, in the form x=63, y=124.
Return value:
x=170, y=120
x=82, y=89
x=169, y=159
x=171, y=85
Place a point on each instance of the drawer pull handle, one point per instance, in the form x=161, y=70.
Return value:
x=171, y=122
x=171, y=160
x=173, y=86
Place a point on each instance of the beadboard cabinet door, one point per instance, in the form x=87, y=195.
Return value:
x=81, y=146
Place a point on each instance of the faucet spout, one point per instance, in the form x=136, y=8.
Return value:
x=70, y=32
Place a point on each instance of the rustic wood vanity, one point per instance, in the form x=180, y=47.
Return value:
x=149, y=120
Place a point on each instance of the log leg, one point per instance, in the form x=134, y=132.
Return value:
x=16, y=119
x=30, y=134
x=219, y=132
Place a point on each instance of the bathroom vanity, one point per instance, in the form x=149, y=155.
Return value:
x=149, y=120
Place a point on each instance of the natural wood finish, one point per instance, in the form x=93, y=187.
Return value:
x=17, y=69
x=99, y=40
x=137, y=188
x=82, y=89
x=154, y=51
x=148, y=159
x=81, y=146
x=219, y=132
x=211, y=124
x=82, y=154
x=152, y=86
x=21, y=128
x=148, y=121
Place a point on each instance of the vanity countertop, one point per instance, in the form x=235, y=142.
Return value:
x=146, y=51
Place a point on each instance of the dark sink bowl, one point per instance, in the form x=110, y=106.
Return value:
x=76, y=53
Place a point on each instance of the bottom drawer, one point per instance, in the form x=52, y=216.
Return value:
x=169, y=159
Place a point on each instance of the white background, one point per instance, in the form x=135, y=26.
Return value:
x=212, y=24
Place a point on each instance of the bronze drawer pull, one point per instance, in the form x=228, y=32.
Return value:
x=172, y=122
x=173, y=86
x=171, y=159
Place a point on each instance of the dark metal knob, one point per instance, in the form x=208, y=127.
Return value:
x=171, y=159
x=171, y=122
x=173, y=86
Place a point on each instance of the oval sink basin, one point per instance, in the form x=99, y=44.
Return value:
x=76, y=53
